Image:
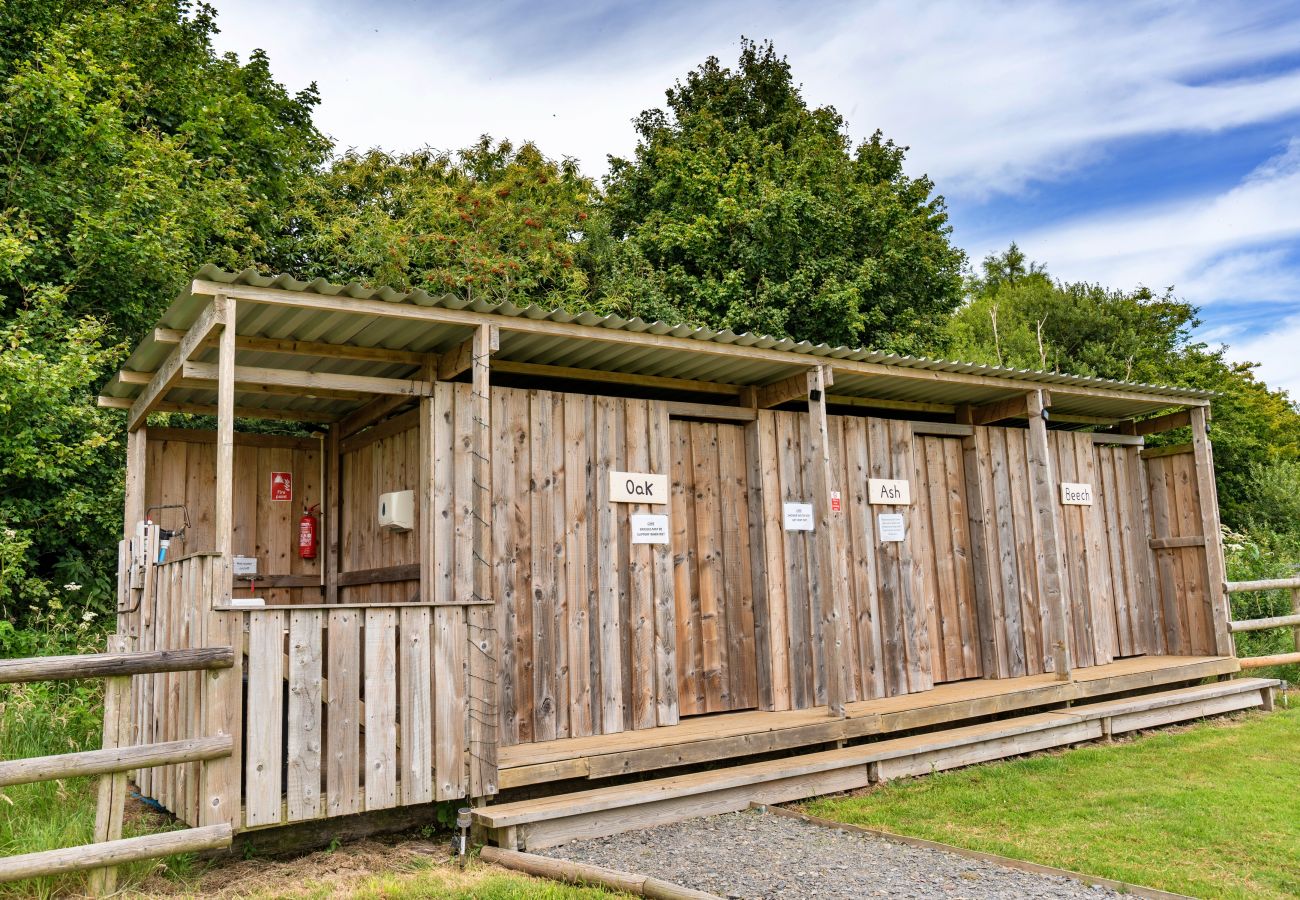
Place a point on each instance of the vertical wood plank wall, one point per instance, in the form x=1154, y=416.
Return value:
x=360, y=709
x=712, y=566
x=379, y=465
x=1185, y=621
x=586, y=619
x=182, y=469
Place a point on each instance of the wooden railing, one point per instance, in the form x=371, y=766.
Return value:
x=113, y=761
x=1292, y=621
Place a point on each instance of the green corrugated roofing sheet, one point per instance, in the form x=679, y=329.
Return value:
x=331, y=326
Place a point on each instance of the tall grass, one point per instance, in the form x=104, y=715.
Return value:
x=46, y=718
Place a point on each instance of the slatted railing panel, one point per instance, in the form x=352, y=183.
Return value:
x=341, y=713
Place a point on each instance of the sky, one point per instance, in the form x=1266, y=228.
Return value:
x=1129, y=143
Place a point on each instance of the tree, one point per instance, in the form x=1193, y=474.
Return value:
x=131, y=154
x=1017, y=316
x=743, y=208
x=492, y=222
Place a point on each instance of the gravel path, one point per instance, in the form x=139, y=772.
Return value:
x=757, y=855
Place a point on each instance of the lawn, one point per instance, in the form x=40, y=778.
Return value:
x=1212, y=810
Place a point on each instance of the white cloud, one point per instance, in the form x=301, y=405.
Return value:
x=1225, y=246
x=1234, y=249
x=990, y=95
x=1278, y=353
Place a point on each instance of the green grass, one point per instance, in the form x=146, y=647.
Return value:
x=1212, y=810
x=437, y=880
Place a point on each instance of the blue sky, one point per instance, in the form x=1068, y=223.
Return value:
x=1132, y=143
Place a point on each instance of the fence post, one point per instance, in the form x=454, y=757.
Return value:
x=112, y=787
x=1295, y=608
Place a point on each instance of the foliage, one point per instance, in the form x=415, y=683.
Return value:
x=1205, y=811
x=1017, y=315
x=1258, y=555
x=131, y=154
x=493, y=222
x=744, y=209
x=45, y=718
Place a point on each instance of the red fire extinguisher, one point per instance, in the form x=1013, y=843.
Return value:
x=307, y=532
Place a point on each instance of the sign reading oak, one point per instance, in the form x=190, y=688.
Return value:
x=637, y=487
x=1073, y=494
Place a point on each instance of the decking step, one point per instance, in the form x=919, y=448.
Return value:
x=548, y=821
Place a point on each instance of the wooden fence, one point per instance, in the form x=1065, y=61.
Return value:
x=118, y=756
x=1292, y=621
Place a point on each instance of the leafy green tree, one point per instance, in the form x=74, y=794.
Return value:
x=131, y=152
x=491, y=222
x=743, y=208
x=1017, y=315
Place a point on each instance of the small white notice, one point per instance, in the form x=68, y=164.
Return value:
x=797, y=516
x=244, y=565
x=889, y=492
x=1076, y=494
x=890, y=527
x=638, y=487
x=647, y=529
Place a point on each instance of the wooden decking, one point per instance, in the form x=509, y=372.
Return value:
x=547, y=821
x=740, y=734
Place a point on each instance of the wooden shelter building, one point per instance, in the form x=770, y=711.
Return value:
x=629, y=548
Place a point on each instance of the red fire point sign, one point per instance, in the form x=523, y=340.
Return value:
x=835, y=501
x=281, y=485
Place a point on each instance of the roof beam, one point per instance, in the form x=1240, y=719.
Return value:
x=306, y=348
x=881, y=403
x=1016, y=407
x=369, y=414
x=212, y=318
x=1167, y=422
x=469, y=318
x=325, y=383
x=241, y=412
x=457, y=360
x=505, y=366
x=793, y=388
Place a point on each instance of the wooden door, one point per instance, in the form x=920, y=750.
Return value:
x=712, y=569
x=943, y=569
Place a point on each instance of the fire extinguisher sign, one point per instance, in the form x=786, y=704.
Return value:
x=282, y=486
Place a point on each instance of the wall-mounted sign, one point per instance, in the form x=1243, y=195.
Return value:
x=835, y=501
x=1076, y=494
x=889, y=492
x=649, y=529
x=637, y=487
x=797, y=516
x=890, y=527
x=281, y=486
x=244, y=565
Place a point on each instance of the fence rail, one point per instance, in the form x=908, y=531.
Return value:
x=113, y=761
x=1292, y=621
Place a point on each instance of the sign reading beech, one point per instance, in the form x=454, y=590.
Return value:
x=637, y=487
x=1076, y=494
x=889, y=492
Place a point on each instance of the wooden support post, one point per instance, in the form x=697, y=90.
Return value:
x=223, y=693
x=1043, y=489
x=1209, y=503
x=833, y=575
x=1295, y=608
x=112, y=787
x=483, y=649
x=137, y=446
x=333, y=514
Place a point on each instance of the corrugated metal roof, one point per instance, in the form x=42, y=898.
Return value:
x=331, y=326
